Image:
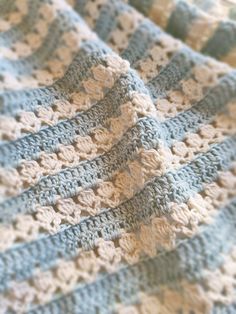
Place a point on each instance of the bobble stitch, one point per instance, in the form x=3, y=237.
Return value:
x=48, y=219
x=87, y=265
x=89, y=202
x=29, y=121
x=69, y=210
x=49, y=163
x=10, y=129
x=108, y=194
x=30, y=172
x=66, y=276
x=104, y=76
x=130, y=247
x=109, y=256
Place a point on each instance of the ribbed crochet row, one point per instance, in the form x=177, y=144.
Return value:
x=117, y=157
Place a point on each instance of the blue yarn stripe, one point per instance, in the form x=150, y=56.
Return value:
x=222, y=41
x=203, y=111
x=64, y=132
x=153, y=200
x=91, y=53
x=6, y=6
x=50, y=43
x=143, y=6
x=107, y=20
x=17, y=32
x=181, y=19
x=67, y=182
x=188, y=261
x=179, y=66
x=140, y=42
x=224, y=308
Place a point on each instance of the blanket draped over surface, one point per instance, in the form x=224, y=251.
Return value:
x=118, y=156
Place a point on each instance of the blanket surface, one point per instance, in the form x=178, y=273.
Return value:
x=117, y=156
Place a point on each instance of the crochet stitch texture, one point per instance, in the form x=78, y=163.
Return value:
x=117, y=157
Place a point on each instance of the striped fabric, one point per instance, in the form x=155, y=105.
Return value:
x=117, y=157
x=208, y=26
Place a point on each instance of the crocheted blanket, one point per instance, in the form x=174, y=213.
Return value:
x=117, y=156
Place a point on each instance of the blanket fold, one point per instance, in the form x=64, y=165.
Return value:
x=117, y=157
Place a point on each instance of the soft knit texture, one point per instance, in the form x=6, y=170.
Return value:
x=117, y=157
